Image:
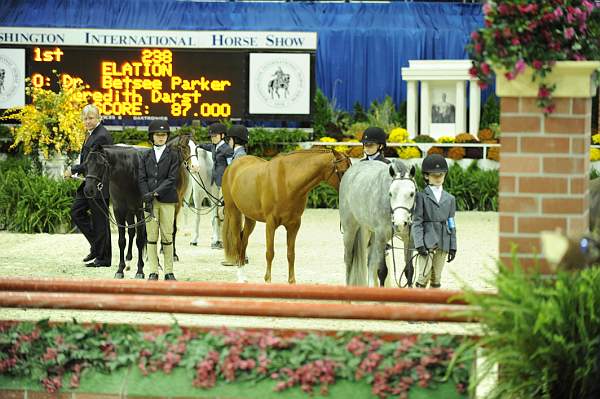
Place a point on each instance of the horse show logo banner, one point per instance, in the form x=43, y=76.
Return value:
x=12, y=78
x=279, y=84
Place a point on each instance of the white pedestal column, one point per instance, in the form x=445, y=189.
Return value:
x=411, y=108
x=474, y=107
x=461, y=108
x=425, y=107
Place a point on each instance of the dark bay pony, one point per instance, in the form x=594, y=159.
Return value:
x=181, y=145
x=121, y=163
x=273, y=192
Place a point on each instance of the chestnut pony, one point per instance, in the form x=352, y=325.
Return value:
x=273, y=192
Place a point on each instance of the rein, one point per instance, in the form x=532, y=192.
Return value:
x=409, y=261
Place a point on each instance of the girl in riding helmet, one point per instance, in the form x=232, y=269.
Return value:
x=237, y=138
x=157, y=180
x=220, y=152
x=433, y=230
x=374, y=141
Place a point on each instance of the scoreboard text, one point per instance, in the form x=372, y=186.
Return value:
x=137, y=83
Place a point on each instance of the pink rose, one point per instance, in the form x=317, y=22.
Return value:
x=570, y=18
x=537, y=64
x=487, y=8
x=478, y=48
x=482, y=85
x=475, y=35
x=579, y=57
x=569, y=33
x=549, y=109
x=509, y=75
x=473, y=72
x=515, y=41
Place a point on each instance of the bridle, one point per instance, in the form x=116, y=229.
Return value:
x=411, y=210
x=106, y=167
x=335, y=163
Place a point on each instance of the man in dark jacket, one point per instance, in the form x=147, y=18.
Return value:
x=158, y=184
x=90, y=215
x=220, y=152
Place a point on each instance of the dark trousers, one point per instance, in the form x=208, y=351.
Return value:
x=90, y=216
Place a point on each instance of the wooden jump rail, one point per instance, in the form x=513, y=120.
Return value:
x=191, y=297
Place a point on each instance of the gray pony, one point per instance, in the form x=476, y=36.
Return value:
x=376, y=201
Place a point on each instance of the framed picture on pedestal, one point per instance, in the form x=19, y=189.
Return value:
x=443, y=109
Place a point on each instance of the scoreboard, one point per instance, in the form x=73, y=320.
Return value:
x=148, y=81
x=139, y=75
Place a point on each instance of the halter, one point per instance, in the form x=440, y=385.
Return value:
x=410, y=211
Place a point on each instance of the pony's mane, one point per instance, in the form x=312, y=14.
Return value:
x=308, y=151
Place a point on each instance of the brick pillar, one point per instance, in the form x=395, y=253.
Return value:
x=544, y=166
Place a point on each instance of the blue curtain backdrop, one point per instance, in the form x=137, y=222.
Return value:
x=361, y=46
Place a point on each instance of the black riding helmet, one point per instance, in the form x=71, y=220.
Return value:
x=238, y=133
x=158, y=126
x=374, y=135
x=217, y=128
x=434, y=163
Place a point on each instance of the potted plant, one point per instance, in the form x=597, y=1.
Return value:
x=535, y=46
x=51, y=124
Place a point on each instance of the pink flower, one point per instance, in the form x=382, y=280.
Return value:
x=537, y=64
x=509, y=75
x=549, y=109
x=475, y=35
x=478, y=48
x=543, y=92
x=570, y=18
x=473, y=72
x=503, y=9
x=588, y=5
x=520, y=66
x=530, y=8
x=558, y=12
x=569, y=33
x=485, y=68
x=515, y=41
x=482, y=85
x=506, y=32
x=487, y=8
x=579, y=57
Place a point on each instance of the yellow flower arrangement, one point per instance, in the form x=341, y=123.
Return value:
x=51, y=123
x=408, y=152
x=594, y=154
x=445, y=139
x=338, y=148
x=596, y=138
x=398, y=135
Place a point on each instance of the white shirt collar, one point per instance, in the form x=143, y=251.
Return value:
x=437, y=192
x=158, y=151
x=92, y=131
x=220, y=143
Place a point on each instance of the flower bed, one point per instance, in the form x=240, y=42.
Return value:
x=63, y=356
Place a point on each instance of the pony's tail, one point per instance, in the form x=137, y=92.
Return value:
x=356, y=268
x=231, y=233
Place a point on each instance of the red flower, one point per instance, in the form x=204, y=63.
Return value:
x=537, y=64
x=569, y=33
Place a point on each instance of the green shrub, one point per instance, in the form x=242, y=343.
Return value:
x=323, y=196
x=543, y=333
x=261, y=140
x=490, y=113
x=322, y=116
x=129, y=135
x=32, y=203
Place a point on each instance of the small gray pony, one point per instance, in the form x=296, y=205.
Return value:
x=200, y=187
x=376, y=202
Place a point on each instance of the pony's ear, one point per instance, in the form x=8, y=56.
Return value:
x=392, y=170
x=413, y=171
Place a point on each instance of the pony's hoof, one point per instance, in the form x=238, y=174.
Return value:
x=175, y=258
x=119, y=275
x=128, y=258
x=127, y=268
x=140, y=276
x=194, y=244
x=292, y=281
